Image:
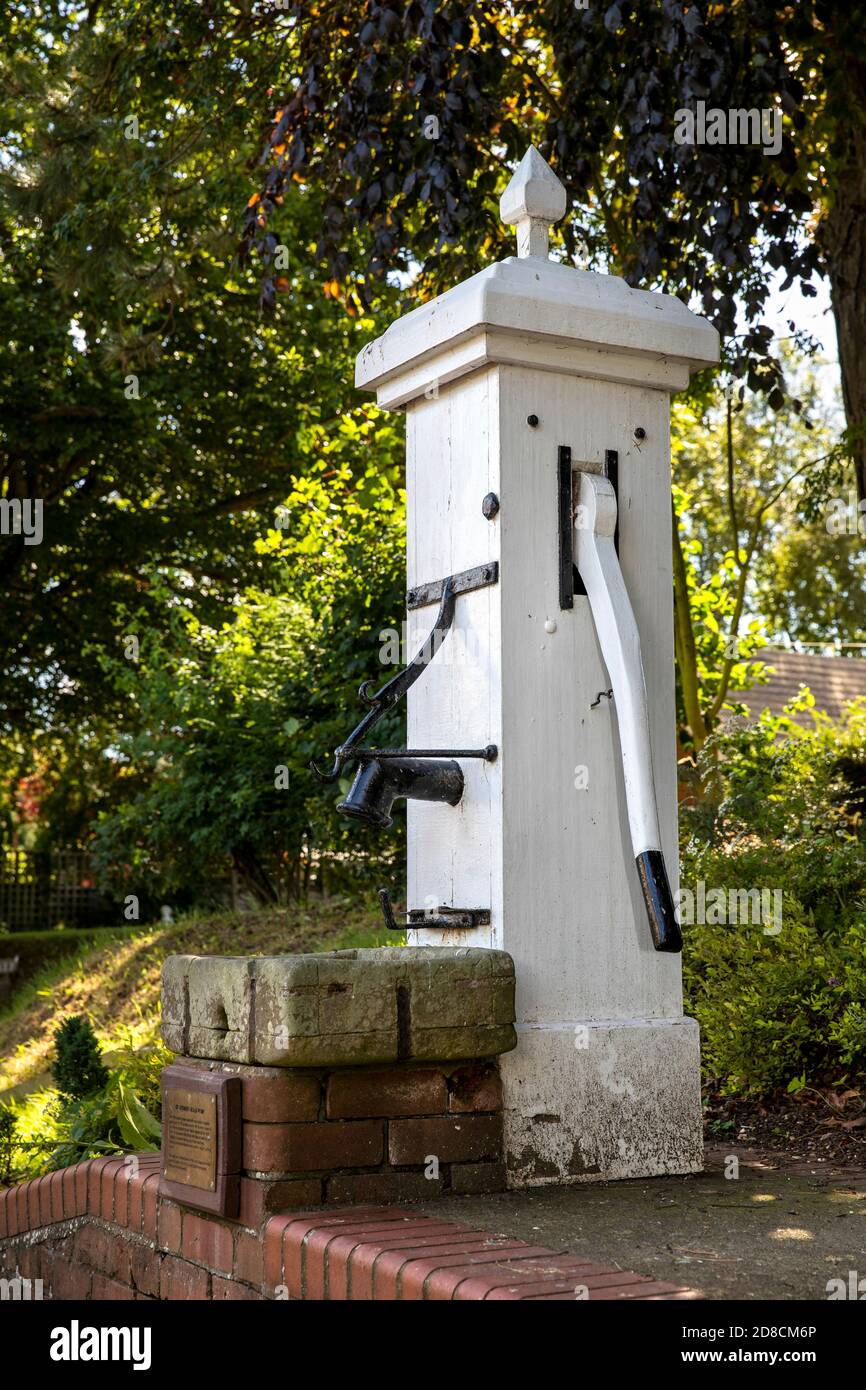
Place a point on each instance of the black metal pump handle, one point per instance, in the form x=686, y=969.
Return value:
x=393, y=690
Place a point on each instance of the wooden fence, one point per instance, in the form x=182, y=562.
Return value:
x=42, y=889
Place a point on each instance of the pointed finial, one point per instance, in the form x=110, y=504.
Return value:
x=533, y=200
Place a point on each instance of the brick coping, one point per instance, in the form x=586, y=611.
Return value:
x=99, y=1230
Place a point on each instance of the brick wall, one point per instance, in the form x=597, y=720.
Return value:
x=309, y=1138
x=101, y=1231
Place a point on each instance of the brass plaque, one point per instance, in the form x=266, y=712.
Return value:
x=189, y=1127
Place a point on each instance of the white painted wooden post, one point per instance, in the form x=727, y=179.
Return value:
x=496, y=376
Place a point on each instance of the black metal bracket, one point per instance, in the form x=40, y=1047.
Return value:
x=393, y=690
x=466, y=917
x=565, y=501
x=612, y=473
x=462, y=583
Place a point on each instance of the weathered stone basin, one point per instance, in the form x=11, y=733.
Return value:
x=332, y=1008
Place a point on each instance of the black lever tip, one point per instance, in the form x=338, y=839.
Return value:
x=659, y=901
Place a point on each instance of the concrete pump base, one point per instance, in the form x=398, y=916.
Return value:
x=604, y=1099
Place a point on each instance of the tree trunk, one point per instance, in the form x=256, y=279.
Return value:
x=844, y=241
x=684, y=645
x=254, y=875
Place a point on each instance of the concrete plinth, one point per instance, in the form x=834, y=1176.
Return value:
x=616, y=1099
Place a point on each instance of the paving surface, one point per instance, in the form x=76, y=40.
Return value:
x=779, y=1230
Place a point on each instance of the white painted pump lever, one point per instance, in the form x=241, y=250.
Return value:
x=619, y=639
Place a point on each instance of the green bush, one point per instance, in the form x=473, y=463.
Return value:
x=51, y=1129
x=779, y=1009
x=775, y=1011
x=8, y=1127
x=77, y=1070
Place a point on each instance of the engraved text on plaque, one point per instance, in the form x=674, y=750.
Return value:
x=190, y=1138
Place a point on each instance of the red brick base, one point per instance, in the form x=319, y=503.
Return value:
x=100, y=1230
x=403, y=1133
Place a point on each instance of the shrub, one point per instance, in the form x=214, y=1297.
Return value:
x=786, y=814
x=774, y=1009
x=8, y=1127
x=51, y=1129
x=78, y=1071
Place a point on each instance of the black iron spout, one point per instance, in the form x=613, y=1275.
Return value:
x=379, y=783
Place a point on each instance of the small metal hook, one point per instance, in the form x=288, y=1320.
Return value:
x=327, y=776
x=363, y=695
x=387, y=909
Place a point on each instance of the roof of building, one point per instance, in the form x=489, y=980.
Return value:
x=833, y=680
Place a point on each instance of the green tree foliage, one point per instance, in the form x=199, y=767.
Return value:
x=143, y=397
x=230, y=717
x=598, y=88
x=753, y=490
x=54, y=781
x=811, y=583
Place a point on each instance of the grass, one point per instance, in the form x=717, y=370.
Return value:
x=116, y=983
x=36, y=949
